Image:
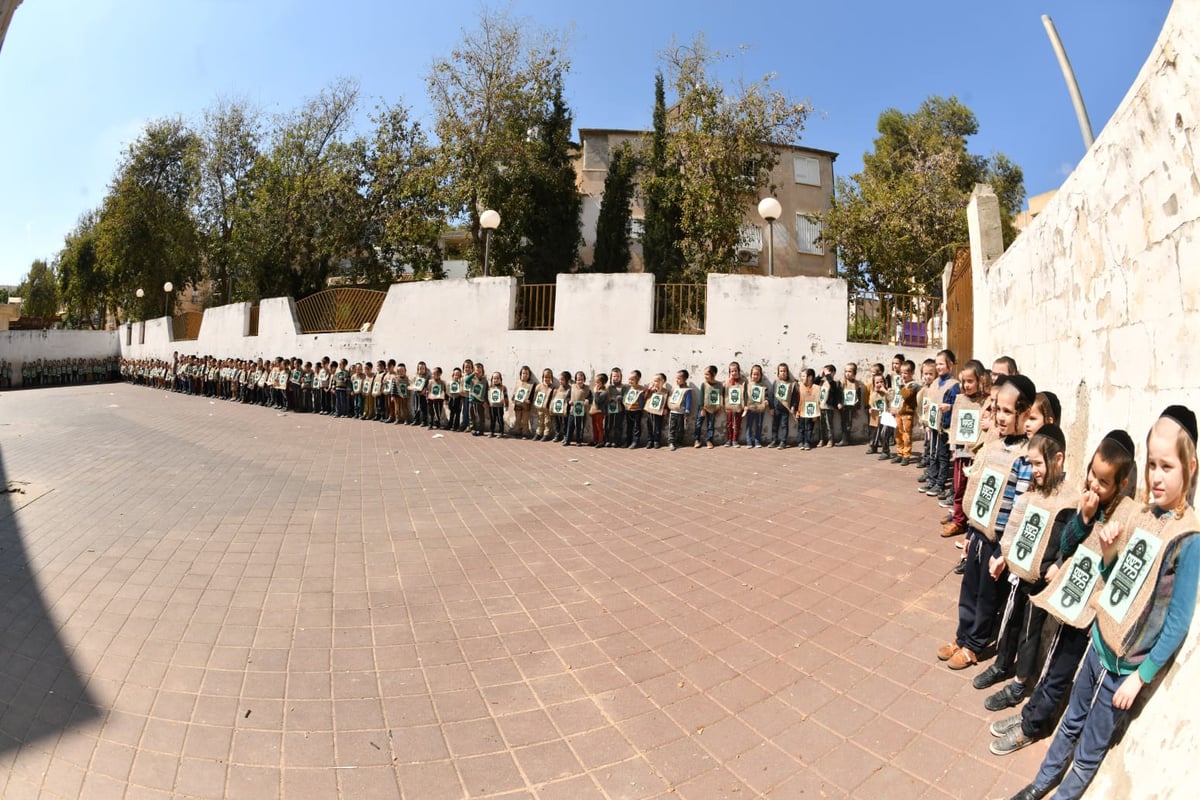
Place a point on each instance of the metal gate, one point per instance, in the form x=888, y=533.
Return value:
x=960, y=316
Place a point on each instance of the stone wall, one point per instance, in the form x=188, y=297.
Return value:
x=18, y=347
x=1099, y=300
x=600, y=321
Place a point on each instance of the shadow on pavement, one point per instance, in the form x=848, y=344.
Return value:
x=41, y=694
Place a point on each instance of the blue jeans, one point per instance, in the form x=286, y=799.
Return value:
x=805, y=427
x=342, y=396
x=782, y=418
x=1085, y=731
x=754, y=427
x=706, y=423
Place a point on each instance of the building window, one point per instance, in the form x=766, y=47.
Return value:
x=806, y=170
x=751, y=238
x=808, y=235
x=635, y=229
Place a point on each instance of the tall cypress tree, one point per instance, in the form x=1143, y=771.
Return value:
x=552, y=228
x=660, y=242
x=612, y=237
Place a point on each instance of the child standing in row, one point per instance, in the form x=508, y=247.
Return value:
x=735, y=404
x=1001, y=474
x=614, y=418
x=680, y=405
x=497, y=400
x=808, y=410
x=757, y=397
x=522, y=402
x=785, y=399
x=831, y=401
x=635, y=400
x=579, y=400
x=656, y=405
x=599, y=408
x=710, y=406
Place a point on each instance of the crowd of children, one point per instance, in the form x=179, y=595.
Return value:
x=59, y=372
x=1108, y=583
x=607, y=410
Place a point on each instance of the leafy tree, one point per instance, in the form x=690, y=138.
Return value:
x=82, y=282
x=3, y=295
x=661, y=188
x=403, y=199
x=899, y=220
x=304, y=220
x=612, y=227
x=39, y=291
x=489, y=97
x=720, y=143
x=230, y=147
x=146, y=232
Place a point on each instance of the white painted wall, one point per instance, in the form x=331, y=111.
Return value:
x=601, y=321
x=18, y=347
x=1099, y=300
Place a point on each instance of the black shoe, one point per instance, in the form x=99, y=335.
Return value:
x=897, y=459
x=886, y=456
x=872, y=451
x=960, y=567
x=1031, y=792
x=1007, y=697
x=991, y=676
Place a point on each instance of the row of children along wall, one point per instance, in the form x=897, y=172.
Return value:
x=58, y=372
x=608, y=411
x=1109, y=584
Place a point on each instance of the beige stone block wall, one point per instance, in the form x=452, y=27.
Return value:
x=1099, y=301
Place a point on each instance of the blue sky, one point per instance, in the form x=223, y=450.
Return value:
x=79, y=78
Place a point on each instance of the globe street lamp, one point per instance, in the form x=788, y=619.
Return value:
x=168, y=287
x=140, y=294
x=769, y=209
x=489, y=220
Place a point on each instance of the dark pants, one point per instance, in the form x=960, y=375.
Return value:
x=342, y=397
x=1066, y=651
x=456, y=412
x=654, y=432
x=942, y=445
x=1022, y=635
x=477, y=422
x=575, y=424
x=826, y=428
x=421, y=416
x=675, y=428
x=614, y=428
x=633, y=427
x=437, y=413
x=979, y=595
x=779, y=426
x=496, y=419
x=1085, y=732
x=805, y=436
x=847, y=423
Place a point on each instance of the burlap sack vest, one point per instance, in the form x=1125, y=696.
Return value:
x=783, y=392
x=558, y=402
x=810, y=401
x=1029, y=528
x=581, y=399
x=759, y=391
x=1068, y=597
x=521, y=394
x=937, y=396
x=985, y=487
x=656, y=403
x=615, y=391
x=966, y=418
x=735, y=396
x=495, y=396
x=1131, y=606
x=710, y=396
x=675, y=402
x=634, y=398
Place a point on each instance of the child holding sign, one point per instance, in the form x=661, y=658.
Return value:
x=1152, y=568
x=580, y=401
x=541, y=406
x=1001, y=474
x=735, y=404
x=710, y=406
x=679, y=404
x=599, y=407
x=808, y=410
x=756, y=406
x=497, y=400
x=656, y=406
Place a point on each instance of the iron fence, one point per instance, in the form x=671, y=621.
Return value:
x=680, y=307
x=904, y=320
x=339, y=310
x=535, y=307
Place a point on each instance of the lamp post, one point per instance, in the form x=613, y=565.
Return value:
x=140, y=294
x=769, y=209
x=168, y=287
x=489, y=220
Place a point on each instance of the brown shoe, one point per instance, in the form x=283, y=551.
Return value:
x=962, y=659
x=953, y=529
x=698, y=444
x=710, y=445
x=946, y=651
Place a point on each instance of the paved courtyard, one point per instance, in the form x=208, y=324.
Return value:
x=200, y=599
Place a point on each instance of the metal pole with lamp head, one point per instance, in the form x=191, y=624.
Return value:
x=769, y=209
x=489, y=220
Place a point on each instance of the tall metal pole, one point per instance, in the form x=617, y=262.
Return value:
x=770, y=247
x=487, y=246
x=1085, y=125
